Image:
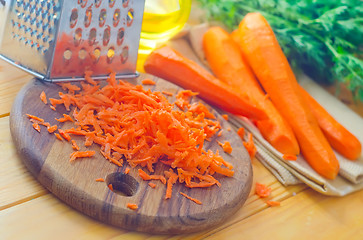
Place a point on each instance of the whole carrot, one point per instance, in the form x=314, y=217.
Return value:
x=170, y=65
x=225, y=59
x=272, y=69
x=337, y=135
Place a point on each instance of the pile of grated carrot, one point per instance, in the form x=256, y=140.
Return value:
x=142, y=128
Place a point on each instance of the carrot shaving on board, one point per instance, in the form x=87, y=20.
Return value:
x=190, y=198
x=36, y=126
x=226, y=147
x=52, y=129
x=152, y=185
x=43, y=97
x=148, y=82
x=65, y=118
x=289, y=157
x=110, y=186
x=74, y=145
x=35, y=118
x=81, y=154
x=100, y=180
x=262, y=190
x=127, y=170
x=132, y=206
x=142, y=128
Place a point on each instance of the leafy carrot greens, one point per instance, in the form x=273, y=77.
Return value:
x=323, y=37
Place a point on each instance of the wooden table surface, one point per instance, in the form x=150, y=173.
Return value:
x=29, y=211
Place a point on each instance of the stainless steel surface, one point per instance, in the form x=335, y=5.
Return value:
x=58, y=40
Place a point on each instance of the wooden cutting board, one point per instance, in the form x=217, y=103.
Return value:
x=74, y=183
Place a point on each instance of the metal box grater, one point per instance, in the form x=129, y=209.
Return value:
x=58, y=40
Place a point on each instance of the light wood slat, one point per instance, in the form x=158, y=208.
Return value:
x=308, y=215
x=16, y=183
x=11, y=81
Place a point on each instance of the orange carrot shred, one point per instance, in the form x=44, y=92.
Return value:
x=81, y=154
x=250, y=146
x=148, y=82
x=53, y=108
x=65, y=118
x=74, y=145
x=262, y=190
x=110, y=187
x=64, y=135
x=289, y=157
x=52, y=129
x=273, y=203
x=142, y=128
x=100, y=180
x=190, y=198
x=58, y=136
x=226, y=147
x=152, y=185
x=241, y=132
x=35, y=118
x=36, y=126
x=225, y=116
x=167, y=93
x=43, y=97
x=132, y=206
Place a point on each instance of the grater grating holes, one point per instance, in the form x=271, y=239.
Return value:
x=98, y=3
x=120, y=36
x=88, y=17
x=111, y=3
x=35, y=21
x=130, y=17
x=102, y=18
x=106, y=36
x=92, y=36
x=116, y=17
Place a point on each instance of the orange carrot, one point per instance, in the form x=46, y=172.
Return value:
x=52, y=129
x=343, y=141
x=226, y=147
x=43, y=97
x=64, y=135
x=144, y=128
x=74, y=145
x=272, y=69
x=65, y=118
x=152, y=185
x=147, y=177
x=289, y=157
x=273, y=203
x=190, y=198
x=262, y=190
x=225, y=117
x=127, y=170
x=148, y=82
x=36, y=126
x=132, y=206
x=80, y=154
x=35, y=118
x=172, y=178
x=190, y=75
x=250, y=146
x=167, y=93
x=241, y=132
x=58, y=136
x=226, y=60
x=100, y=180
x=110, y=186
